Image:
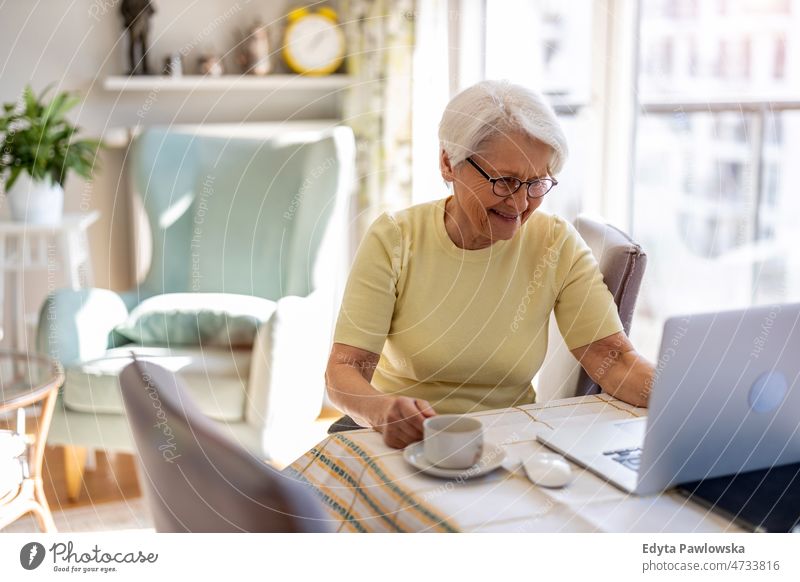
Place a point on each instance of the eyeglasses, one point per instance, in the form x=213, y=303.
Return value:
x=505, y=186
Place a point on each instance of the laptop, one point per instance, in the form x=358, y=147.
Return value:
x=725, y=400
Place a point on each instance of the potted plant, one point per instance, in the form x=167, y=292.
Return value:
x=38, y=149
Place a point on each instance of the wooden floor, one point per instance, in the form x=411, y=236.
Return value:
x=113, y=479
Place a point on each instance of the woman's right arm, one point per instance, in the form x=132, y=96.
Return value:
x=347, y=378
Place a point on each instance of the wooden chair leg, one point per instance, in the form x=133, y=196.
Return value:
x=74, y=465
x=44, y=519
x=43, y=514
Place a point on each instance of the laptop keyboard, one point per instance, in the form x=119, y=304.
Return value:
x=629, y=458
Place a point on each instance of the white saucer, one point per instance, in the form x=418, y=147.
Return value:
x=493, y=457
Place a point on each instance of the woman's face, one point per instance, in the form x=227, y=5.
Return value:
x=483, y=217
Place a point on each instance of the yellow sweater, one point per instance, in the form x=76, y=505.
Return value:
x=467, y=329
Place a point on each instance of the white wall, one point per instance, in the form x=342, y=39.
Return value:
x=76, y=44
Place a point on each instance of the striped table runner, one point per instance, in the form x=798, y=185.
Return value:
x=369, y=487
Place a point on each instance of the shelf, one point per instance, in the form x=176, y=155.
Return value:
x=120, y=137
x=281, y=83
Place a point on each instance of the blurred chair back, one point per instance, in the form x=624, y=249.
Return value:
x=622, y=263
x=197, y=478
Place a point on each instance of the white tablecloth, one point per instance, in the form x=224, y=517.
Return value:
x=370, y=487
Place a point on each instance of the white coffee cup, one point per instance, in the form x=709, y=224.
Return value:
x=453, y=441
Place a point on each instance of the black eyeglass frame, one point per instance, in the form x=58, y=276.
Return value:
x=529, y=183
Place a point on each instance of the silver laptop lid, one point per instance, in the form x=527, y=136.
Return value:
x=726, y=396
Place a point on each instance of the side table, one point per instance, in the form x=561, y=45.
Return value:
x=27, y=380
x=26, y=247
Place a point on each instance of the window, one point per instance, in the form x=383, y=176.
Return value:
x=557, y=61
x=714, y=174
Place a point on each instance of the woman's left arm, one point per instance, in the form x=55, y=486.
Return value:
x=618, y=368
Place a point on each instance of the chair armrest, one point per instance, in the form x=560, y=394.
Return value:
x=76, y=325
x=287, y=371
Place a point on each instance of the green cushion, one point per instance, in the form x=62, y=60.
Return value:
x=193, y=319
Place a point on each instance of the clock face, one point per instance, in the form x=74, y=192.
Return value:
x=314, y=43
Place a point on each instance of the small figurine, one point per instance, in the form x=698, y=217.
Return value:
x=136, y=15
x=210, y=65
x=173, y=65
x=254, y=51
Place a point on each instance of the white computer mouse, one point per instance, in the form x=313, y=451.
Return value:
x=548, y=470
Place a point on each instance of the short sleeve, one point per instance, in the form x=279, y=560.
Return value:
x=584, y=307
x=371, y=291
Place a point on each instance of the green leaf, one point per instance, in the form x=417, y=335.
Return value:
x=30, y=101
x=58, y=107
x=12, y=177
x=64, y=135
x=53, y=110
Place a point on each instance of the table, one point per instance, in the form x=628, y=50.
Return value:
x=369, y=487
x=27, y=380
x=26, y=247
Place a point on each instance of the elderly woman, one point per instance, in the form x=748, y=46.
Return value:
x=447, y=305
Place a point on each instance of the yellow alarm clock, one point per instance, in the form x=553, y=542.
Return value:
x=313, y=43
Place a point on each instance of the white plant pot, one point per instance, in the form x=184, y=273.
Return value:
x=36, y=201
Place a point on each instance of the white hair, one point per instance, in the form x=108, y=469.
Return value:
x=492, y=108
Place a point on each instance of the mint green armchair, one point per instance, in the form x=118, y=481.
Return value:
x=256, y=210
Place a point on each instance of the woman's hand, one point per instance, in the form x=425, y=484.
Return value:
x=400, y=421
x=348, y=378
